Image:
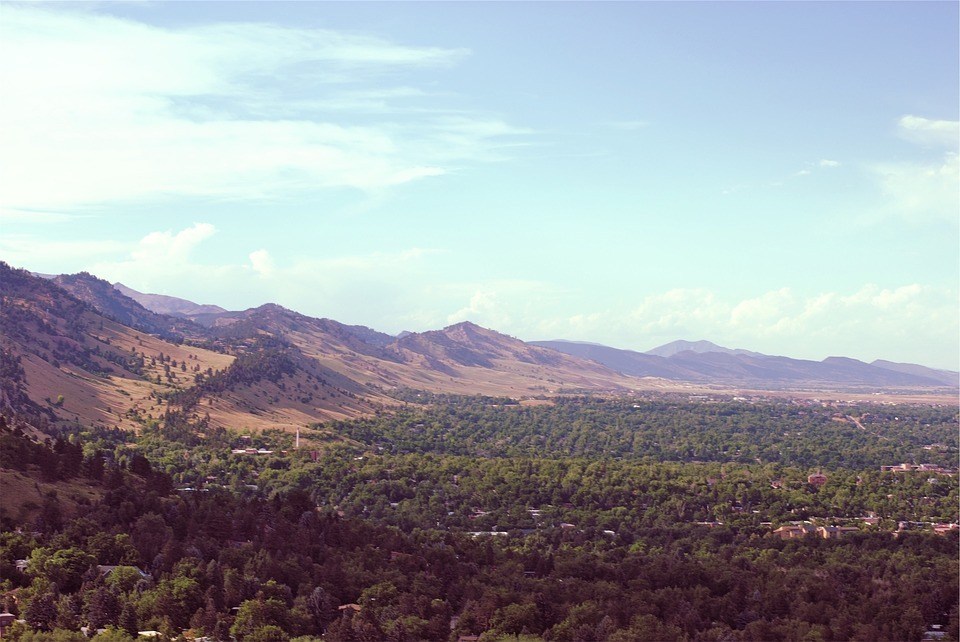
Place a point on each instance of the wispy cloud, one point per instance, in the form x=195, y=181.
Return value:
x=23, y=250
x=178, y=262
x=924, y=191
x=809, y=169
x=101, y=110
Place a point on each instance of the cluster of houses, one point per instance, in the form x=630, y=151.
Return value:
x=797, y=530
x=251, y=451
x=937, y=527
x=926, y=468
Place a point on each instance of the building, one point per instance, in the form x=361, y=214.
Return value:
x=935, y=632
x=943, y=529
x=817, y=479
x=927, y=468
x=106, y=570
x=795, y=530
x=6, y=621
x=836, y=532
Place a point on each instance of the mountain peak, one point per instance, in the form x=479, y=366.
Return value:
x=699, y=347
x=271, y=307
x=465, y=325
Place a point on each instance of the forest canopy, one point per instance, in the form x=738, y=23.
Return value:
x=583, y=519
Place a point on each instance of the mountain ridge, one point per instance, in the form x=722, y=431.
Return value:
x=266, y=367
x=89, y=353
x=748, y=367
x=203, y=315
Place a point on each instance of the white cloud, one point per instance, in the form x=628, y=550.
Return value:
x=31, y=216
x=922, y=192
x=927, y=190
x=261, y=262
x=826, y=162
x=506, y=305
x=764, y=312
x=161, y=262
x=924, y=131
x=160, y=247
x=374, y=289
x=910, y=322
x=102, y=110
x=483, y=304
x=913, y=322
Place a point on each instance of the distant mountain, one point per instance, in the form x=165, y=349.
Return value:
x=247, y=321
x=467, y=344
x=114, y=304
x=945, y=377
x=163, y=304
x=454, y=358
x=489, y=362
x=636, y=364
x=700, y=347
x=361, y=362
x=708, y=363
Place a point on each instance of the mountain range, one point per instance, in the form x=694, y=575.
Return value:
x=694, y=361
x=705, y=362
x=76, y=348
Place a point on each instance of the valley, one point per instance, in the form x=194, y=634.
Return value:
x=265, y=475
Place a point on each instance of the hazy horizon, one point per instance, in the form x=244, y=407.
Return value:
x=779, y=177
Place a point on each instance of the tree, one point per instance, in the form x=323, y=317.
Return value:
x=124, y=579
x=103, y=608
x=41, y=611
x=128, y=619
x=268, y=633
x=149, y=534
x=113, y=635
x=65, y=567
x=258, y=613
x=140, y=466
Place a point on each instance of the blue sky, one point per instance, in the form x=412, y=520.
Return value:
x=781, y=177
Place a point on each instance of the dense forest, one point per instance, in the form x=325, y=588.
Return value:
x=574, y=520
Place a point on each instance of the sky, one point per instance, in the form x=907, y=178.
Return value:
x=777, y=176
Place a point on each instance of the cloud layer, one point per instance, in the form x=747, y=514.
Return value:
x=102, y=110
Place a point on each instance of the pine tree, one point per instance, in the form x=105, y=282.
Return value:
x=128, y=619
x=102, y=608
